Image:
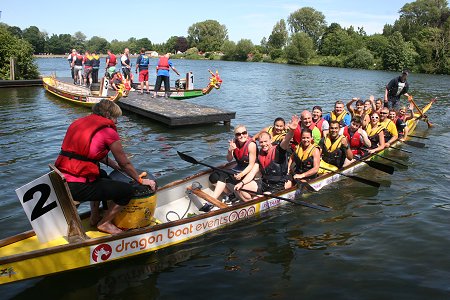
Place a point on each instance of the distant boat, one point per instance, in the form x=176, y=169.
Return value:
x=184, y=89
x=74, y=93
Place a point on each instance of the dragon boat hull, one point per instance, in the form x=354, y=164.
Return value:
x=175, y=221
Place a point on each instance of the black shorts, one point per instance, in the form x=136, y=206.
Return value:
x=271, y=187
x=103, y=188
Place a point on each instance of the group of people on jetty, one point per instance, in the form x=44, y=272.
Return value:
x=288, y=153
x=85, y=67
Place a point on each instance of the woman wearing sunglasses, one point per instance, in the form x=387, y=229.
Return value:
x=375, y=133
x=243, y=149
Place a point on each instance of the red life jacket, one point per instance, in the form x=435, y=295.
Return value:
x=112, y=60
x=241, y=153
x=319, y=124
x=271, y=170
x=163, y=63
x=354, y=141
x=74, y=158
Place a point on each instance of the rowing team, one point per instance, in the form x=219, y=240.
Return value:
x=306, y=147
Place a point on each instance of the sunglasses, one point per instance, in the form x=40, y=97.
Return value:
x=374, y=117
x=240, y=133
x=384, y=113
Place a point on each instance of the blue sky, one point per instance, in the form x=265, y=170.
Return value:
x=251, y=19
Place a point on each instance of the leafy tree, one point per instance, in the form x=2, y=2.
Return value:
x=79, y=40
x=360, y=59
x=143, y=43
x=97, y=44
x=117, y=46
x=243, y=48
x=60, y=44
x=182, y=44
x=279, y=35
x=276, y=54
x=399, y=54
x=257, y=56
x=229, y=50
x=310, y=21
x=377, y=44
x=15, y=31
x=416, y=15
x=300, y=48
x=207, y=36
x=336, y=42
x=36, y=38
x=21, y=51
x=264, y=46
x=432, y=44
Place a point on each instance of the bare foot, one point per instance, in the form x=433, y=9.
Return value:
x=108, y=227
x=94, y=219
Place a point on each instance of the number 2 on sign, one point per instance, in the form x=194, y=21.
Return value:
x=39, y=209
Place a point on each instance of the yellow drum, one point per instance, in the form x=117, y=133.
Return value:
x=136, y=214
x=141, y=208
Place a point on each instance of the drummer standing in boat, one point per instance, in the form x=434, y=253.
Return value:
x=87, y=142
x=394, y=89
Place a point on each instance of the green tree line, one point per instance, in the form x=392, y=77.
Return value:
x=418, y=40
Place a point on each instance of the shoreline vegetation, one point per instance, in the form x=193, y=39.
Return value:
x=418, y=40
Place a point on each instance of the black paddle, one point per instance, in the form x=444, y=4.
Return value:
x=419, y=137
x=192, y=160
x=303, y=203
x=414, y=144
x=379, y=166
x=387, y=158
x=362, y=180
x=399, y=149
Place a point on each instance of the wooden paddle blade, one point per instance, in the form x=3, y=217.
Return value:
x=399, y=149
x=415, y=144
x=187, y=158
x=394, y=161
x=379, y=166
x=363, y=180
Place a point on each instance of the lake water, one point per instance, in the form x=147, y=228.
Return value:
x=386, y=243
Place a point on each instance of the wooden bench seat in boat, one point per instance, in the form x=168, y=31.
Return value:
x=201, y=194
x=75, y=230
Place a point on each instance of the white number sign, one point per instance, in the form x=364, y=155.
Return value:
x=42, y=208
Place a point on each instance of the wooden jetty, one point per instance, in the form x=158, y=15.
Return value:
x=20, y=83
x=174, y=112
x=168, y=111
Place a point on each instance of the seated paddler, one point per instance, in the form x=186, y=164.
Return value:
x=334, y=148
x=304, y=162
x=87, y=142
x=243, y=150
x=271, y=167
x=277, y=131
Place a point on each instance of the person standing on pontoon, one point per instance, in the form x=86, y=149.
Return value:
x=162, y=74
x=142, y=64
